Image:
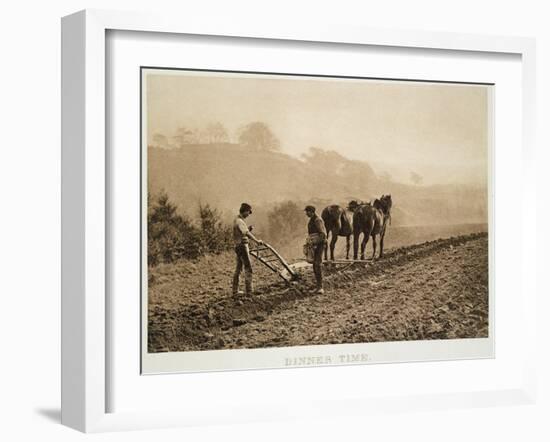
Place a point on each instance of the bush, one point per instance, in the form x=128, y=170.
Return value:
x=216, y=236
x=171, y=237
x=286, y=222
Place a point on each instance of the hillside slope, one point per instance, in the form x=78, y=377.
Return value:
x=224, y=175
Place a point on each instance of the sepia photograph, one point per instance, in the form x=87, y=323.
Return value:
x=284, y=210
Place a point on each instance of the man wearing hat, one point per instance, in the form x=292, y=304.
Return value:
x=241, y=234
x=317, y=237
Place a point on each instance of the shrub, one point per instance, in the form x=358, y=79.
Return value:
x=216, y=236
x=170, y=236
x=286, y=222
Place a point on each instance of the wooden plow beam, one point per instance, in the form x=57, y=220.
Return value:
x=269, y=257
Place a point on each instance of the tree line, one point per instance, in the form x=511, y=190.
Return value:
x=258, y=136
x=172, y=237
x=255, y=135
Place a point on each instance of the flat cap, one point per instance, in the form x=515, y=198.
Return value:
x=245, y=207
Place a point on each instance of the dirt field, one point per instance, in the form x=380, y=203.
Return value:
x=431, y=284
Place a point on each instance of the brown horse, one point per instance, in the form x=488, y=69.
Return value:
x=371, y=220
x=337, y=224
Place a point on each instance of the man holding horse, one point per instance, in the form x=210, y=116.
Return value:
x=317, y=237
x=241, y=234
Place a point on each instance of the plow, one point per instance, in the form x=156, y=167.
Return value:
x=288, y=272
x=270, y=258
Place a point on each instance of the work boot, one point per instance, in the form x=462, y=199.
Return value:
x=235, y=286
x=319, y=283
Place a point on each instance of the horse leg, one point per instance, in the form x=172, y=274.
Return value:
x=373, y=247
x=325, y=247
x=355, y=244
x=364, y=244
x=333, y=245
x=347, y=246
x=382, y=244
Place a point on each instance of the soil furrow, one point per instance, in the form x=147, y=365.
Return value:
x=433, y=290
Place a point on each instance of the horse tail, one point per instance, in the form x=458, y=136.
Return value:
x=357, y=221
x=345, y=224
x=325, y=216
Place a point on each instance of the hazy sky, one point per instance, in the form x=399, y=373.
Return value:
x=437, y=130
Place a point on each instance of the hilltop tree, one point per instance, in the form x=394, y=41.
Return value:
x=160, y=140
x=215, y=133
x=258, y=135
x=183, y=136
x=326, y=160
x=359, y=175
x=416, y=179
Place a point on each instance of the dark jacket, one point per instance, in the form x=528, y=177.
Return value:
x=316, y=225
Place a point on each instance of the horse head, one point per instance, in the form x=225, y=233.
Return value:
x=386, y=203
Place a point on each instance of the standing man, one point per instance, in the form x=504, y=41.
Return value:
x=241, y=234
x=317, y=237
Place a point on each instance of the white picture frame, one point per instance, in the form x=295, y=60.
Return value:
x=85, y=311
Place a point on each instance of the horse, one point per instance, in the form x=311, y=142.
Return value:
x=337, y=224
x=371, y=220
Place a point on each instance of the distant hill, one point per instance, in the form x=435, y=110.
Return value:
x=224, y=175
